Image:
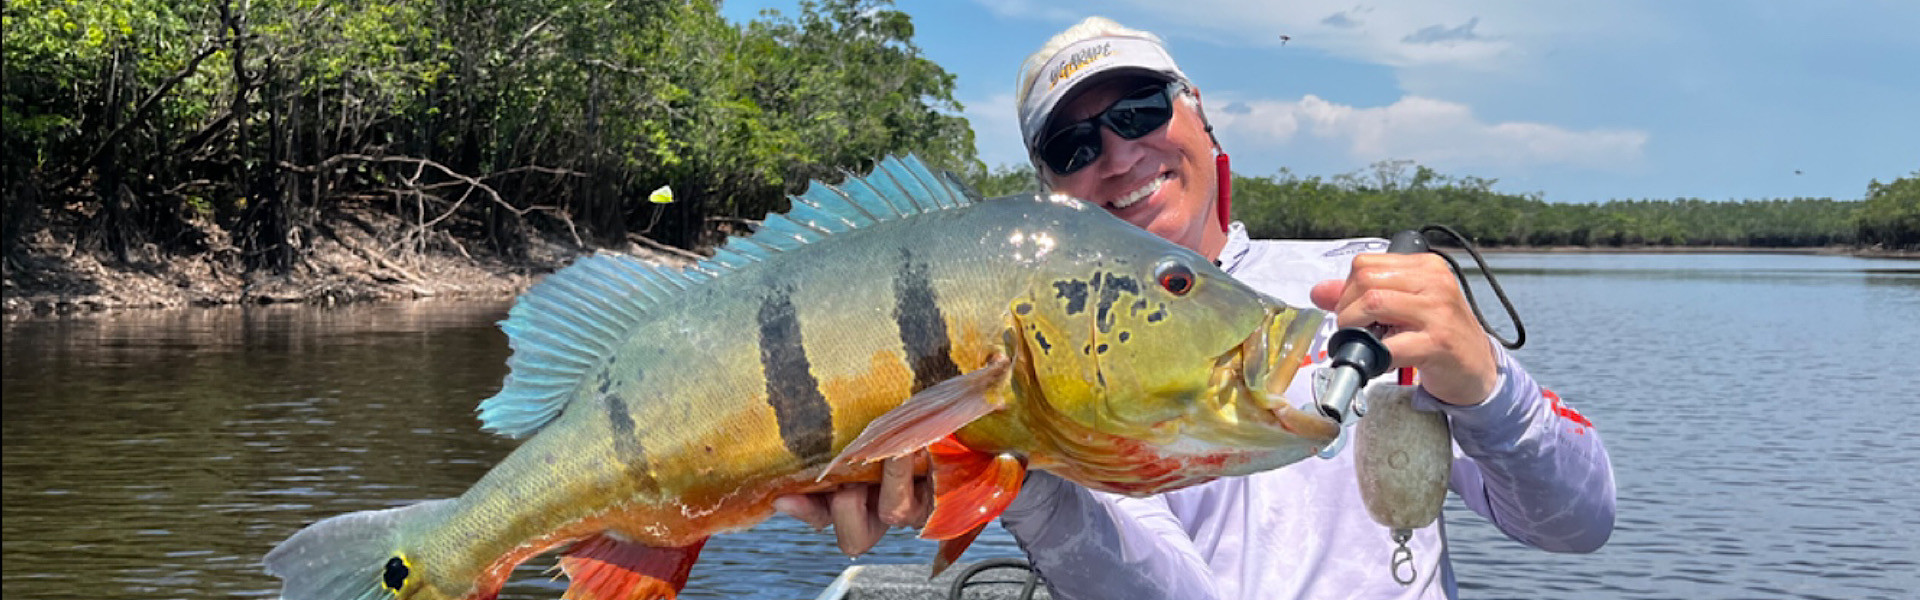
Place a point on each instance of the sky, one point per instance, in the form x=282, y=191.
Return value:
x=1572, y=100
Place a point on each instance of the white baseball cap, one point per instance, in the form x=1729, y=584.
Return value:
x=1089, y=61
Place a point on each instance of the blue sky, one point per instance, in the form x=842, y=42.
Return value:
x=1575, y=100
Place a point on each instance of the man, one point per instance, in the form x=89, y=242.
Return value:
x=1109, y=118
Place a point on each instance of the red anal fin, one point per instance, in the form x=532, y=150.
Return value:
x=925, y=418
x=951, y=549
x=970, y=488
x=604, y=568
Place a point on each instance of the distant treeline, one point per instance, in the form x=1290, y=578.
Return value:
x=1396, y=195
x=184, y=126
x=146, y=121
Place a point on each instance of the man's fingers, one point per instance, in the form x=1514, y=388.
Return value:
x=854, y=522
x=898, y=501
x=1326, y=294
x=808, y=508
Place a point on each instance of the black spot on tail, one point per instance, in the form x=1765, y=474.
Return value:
x=395, y=575
x=922, y=327
x=806, y=422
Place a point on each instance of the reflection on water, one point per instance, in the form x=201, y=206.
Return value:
x=1757, y=409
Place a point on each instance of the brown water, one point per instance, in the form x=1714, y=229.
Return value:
x=1759, y=410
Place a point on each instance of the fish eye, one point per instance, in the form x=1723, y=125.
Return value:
x=1175, y=277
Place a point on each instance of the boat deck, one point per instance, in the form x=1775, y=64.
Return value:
x=993, y=579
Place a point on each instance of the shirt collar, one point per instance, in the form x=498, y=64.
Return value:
x=1235, y=251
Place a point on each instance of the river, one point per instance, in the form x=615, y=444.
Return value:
x=1764, y=439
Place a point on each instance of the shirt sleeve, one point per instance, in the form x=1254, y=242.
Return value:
x=1532, y=465
x=1094, y=545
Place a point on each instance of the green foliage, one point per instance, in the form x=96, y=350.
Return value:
x=71, y=67
x=474, y=114
x=1004, y=180
x=1391, y=197
x=1890, y=217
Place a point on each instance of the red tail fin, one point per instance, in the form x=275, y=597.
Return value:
x=603, y=568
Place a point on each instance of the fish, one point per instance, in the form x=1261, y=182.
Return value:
x=658, y=406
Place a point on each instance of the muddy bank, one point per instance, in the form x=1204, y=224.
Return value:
x=360, y=261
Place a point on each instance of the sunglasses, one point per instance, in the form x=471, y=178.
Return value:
x=1073, y=147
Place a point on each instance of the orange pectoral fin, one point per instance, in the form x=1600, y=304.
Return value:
x=925, y=418
x=603, y=568
x=970, y=489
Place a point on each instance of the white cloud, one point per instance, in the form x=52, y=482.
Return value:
x=1484, y=34
x=1441, y=53
x=1429, y=131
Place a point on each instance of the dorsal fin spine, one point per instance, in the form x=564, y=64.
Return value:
x=882, y=178
x=830, y=199
x=916, y=189
x=871, y=209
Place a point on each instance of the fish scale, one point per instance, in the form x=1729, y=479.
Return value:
x=889, y=313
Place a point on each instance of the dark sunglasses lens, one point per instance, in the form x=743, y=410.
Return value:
x=1070, y=149
x=1141, y=112
x=1134, y=115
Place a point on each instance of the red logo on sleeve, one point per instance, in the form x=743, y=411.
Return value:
x=1565, y=412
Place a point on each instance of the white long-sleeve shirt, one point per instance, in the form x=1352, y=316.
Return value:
x=1533, y=466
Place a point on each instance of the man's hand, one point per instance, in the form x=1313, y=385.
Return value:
x=860, y=513
x=1429, y=325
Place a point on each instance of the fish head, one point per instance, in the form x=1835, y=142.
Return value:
x=1128, y=338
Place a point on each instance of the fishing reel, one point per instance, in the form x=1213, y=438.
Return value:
x=1403, y=456
x=1357, y=355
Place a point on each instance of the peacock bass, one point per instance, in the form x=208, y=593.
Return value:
x=888, y=314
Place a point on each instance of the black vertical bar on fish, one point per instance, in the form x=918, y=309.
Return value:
x=626, y=442
x=806, y=422
x=923, y=329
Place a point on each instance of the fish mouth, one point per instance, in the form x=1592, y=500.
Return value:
x=1269, y=359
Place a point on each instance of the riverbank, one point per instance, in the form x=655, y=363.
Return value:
x=56, y=275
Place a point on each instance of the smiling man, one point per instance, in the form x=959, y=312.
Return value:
x=1165, y=180
x=1108, y=117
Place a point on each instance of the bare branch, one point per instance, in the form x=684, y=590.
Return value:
x=146, y=105
x=420, y=165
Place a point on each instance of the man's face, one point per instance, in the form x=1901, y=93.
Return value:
x=1163, y=182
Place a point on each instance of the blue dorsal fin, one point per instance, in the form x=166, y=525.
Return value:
x=566, y=327
x=903, y=178
x=729, y=258
x=561, y=329
x=818, y=218
x=828, y=199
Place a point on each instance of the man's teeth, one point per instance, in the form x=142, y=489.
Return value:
x=1143, y=192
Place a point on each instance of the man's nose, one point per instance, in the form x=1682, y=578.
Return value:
x=1119, y=154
